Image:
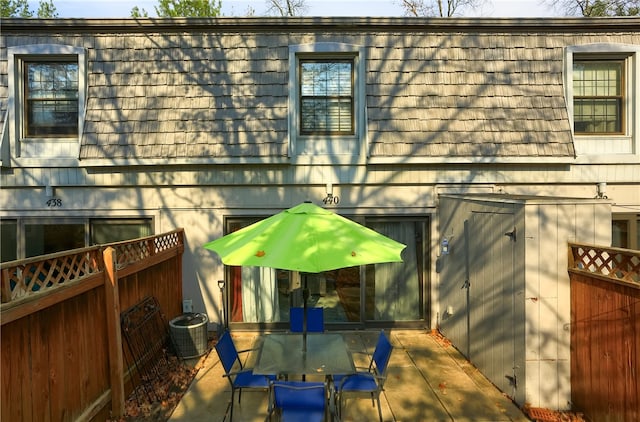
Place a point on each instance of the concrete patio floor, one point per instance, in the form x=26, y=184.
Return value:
x=427, y=380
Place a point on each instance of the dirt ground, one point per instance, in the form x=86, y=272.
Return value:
x=155, y=401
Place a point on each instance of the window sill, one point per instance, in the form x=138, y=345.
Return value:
x=328, y=159
x=599, y=145
x=46, y=162
x=334, y=145
x=607, y=159
x=49, y=149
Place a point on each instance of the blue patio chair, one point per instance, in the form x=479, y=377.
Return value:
x=370, y=380
x=294, y=401
x=315, y=320
x=239, y=377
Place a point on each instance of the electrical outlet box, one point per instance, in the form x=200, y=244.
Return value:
x=187, y=306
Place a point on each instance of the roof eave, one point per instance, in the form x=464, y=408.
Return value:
x=221, y=24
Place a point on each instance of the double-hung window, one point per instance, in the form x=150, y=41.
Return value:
x=47, y=94
x=327, y=102
x=51, y=98
x=326, y=97
x=603, y=99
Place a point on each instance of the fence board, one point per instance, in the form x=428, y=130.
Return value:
x=58, y=377
x=88, y=392
x=99, y=342
x=16, y=396
x=72, y=357
x=40, y=368
x=25, y=374
x=605, y=322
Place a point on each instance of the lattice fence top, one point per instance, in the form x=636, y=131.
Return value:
x=30, y=276
x=130, y=252
x=36, y=275
x=613, y=263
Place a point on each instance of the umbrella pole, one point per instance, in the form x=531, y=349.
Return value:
x=305, y=296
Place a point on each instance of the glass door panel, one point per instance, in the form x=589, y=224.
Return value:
x=394, y=291
x=8, y=240
x=42, y=239
x=339, y=295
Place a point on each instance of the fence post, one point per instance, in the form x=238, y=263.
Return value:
x=114, y=333
x=5, y=286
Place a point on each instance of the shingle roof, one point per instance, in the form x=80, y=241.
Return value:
x=200, y=90
x=187, y=95
x=467, y=94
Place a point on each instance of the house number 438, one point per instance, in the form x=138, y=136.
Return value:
x=54, y=202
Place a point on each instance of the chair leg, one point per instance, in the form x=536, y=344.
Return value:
x=233, y=391
x=379, y=409
x=226, y=412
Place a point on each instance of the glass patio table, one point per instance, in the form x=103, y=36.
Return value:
x=282, y=355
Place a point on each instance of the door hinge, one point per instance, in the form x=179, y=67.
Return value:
x=511, y=234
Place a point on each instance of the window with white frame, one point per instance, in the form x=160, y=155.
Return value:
x=326, y=101
x=603, y=100
x=47, y=92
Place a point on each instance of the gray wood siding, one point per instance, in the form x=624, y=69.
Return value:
x=194, y=90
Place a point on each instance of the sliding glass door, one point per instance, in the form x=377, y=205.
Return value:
x=367, y=295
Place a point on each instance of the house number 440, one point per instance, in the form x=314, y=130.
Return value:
x=54, y=202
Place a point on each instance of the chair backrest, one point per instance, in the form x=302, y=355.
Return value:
x=295, y=320
x=315, y=320
x=227, y=352
x=309, y=396
x=381, y=354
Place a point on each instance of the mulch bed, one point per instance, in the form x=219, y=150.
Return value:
x=141, y=407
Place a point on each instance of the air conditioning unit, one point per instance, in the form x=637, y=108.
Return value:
x=189, y=335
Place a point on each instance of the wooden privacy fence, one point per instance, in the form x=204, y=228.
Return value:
x=605, y=323
x=61, y=348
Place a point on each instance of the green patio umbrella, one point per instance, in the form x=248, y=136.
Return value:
x=308, y=239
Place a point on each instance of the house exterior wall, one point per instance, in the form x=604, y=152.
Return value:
x=529, y=343
x=188, y=122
